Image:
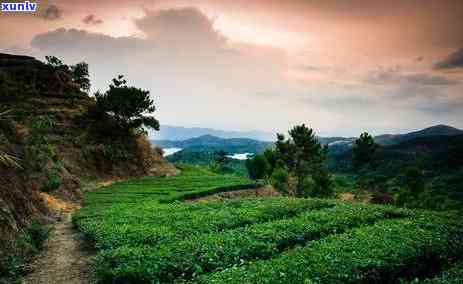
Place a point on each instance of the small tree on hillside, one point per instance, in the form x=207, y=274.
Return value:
x=364, y=151
x=220, y=163
x=127, y=106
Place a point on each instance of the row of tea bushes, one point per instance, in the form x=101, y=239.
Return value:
x=205, y=253
x=152, y=223
x=380, y=253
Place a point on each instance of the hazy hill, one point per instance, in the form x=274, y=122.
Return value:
x=177, y=133
x=213, y=143
x=437, y=130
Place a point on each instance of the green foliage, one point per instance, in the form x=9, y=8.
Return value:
x=303, y=157
x=258, y=167
x=127, y=106
x=364, y=151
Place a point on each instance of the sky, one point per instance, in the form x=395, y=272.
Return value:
x=340, y=66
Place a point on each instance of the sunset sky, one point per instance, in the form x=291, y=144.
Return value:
x=340, y=66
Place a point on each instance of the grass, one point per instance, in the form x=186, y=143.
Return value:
x=145, y=236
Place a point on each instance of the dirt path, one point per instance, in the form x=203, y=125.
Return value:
x=65, y=259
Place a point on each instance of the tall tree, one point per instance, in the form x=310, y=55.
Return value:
x=303, y=157
x=128, y=106
x=364, y=151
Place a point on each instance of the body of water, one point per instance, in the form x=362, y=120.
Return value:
x=170, y=151
x=241, y=156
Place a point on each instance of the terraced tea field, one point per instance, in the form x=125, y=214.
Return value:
x=144, y=237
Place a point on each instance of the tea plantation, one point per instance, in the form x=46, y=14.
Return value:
x=144, y=235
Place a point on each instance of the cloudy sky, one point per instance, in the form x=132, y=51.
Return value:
x=340, y=66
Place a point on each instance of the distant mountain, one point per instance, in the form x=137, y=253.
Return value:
x=177, y=133
x=213, y=143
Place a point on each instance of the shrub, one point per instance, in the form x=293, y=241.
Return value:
x=38, y=234
x=53, y=182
